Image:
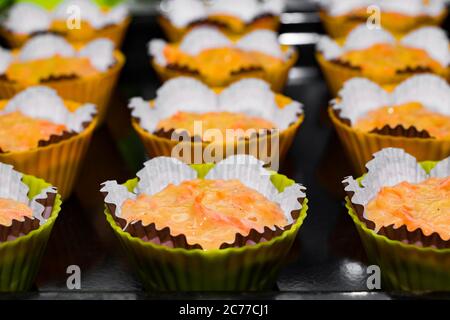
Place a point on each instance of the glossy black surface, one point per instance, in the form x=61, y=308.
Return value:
x=326, y=262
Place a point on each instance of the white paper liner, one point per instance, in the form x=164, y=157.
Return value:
x=390, y=167
x=203, y=38
x=252, y=97
x=12, y=188
x=159, y=172
x=46, y=46
x=359, y=96
x=408, y=7
x=181, y=13
x=100, y=52
x=44, y=103
x=28, y=18
x=265, y=41
x=432, y=40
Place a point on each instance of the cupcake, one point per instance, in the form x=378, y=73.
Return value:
x=232, y=17
x=46, y=136
x=25, y=20
x=225, y=227
x=86, y=74
x=193, y=123
x=398, y=16
x=401, y=209
x=378, y=56
x=414, y=116
x=209, y=55
x=28, y=210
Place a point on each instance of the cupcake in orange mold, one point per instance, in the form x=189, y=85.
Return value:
x=192, y=223
x=24, y=20
x=233, y=17
x=46, y=136
x=28, y=209
x=399, y=17
x=86, y=74
x=414, y=116
x=402, y=211
x=379, y=56
x=217, y=60
x=187, y=118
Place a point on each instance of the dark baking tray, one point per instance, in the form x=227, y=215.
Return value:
x=326, y=262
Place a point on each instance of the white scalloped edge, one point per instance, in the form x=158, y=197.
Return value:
x=250, y=96
x=359, y=96
x=100, y=52
x=432, y=40
x=181, y=13
x=159, y=172
x=390, y=167
x=408, y=7
x=203, y=38
x=44, y=103
x=27, y=18
x=91, y=13
x=46, y=46
x=12, y=188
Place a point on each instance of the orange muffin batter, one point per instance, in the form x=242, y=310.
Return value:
x=13, y=210
x=33, y=72
x=19, y=132
x=208, y=212
x=387, y=59
x=213, y=120
x=219, y=63
x=425, y=205
x=407, y=115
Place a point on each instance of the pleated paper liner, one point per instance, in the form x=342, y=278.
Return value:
x=162, y=144
x=360, y=146
x=116, y=33
x=175, y=34
x=405, y=265
x=336, y=74
x=277, y=79
x=399, y=25
x=253, y=266
x=57, y=160
x=20, y=258
x=96, y=89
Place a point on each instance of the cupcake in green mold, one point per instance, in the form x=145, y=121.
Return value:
x=28, y=210
x=401, y=209
x=206, y=227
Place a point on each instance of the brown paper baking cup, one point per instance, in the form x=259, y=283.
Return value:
x=156, y=145
x=96, y=89
x=58, y=163
x=175, y=34
x=336, y=75
x=360, y=146
x=399, y=25
x=277, y=78
x=115, y=33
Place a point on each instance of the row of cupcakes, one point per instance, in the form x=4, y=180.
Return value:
x=230, y=225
